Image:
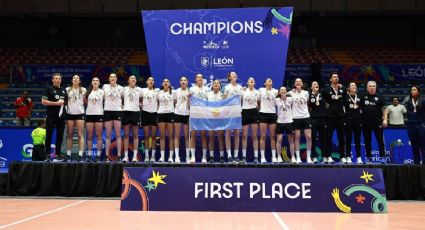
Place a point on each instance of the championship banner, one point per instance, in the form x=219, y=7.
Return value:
x=348, y=190
x=215, y=115
x=251, y=41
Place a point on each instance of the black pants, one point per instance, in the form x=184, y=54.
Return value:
x=51, y=123
x=318, y=135
x=417, y=139
x=379, y=135
x=353, y=126
x=38, y=153
x=333, y=124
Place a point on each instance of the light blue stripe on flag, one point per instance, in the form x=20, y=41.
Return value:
x=215, y=124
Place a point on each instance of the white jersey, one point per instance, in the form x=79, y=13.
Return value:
x=300, y=104
x=75, y=104
x=113, y=97
x=215, y=96
x=284, y=110
x=150, y=100
x=231, y=90
x=132, y=98
x=165, y=102
x=95, y=102
x=182, y=103
x=199, y=92
x=267, y=104
x=250, y=98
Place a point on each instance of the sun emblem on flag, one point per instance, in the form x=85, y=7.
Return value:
x=216, y=112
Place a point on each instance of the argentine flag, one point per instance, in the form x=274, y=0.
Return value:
x=215, y=115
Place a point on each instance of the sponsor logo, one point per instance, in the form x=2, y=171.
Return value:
x=27, y=150
x=205, y=61
x=210, y=45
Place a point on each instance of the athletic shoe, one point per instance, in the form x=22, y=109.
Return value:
x=192, y=160
x=263, y=160
x=309, y=160
x=80, y=159
x=48, y=160
x=177, y=160
x=170, y=160
x=256, y=160
x=204, y=160
x=161, y=160
x=330, y=160
x=349, y=160
x=293, y=160
x=222, y=160
x=66, y=158
x=299, y=161
x=211, y=160
x=359, y=160
x=343, y=160
x=383, y=161
x=125, y=159
x=279, y=159
x=147, y=160
x=243, y=161
x=236, y=160
x=229, y=159
x=274, y=160
x=325, y=160
x=315, y=160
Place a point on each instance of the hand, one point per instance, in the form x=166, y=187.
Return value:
x=385, y=124
x=60, y=102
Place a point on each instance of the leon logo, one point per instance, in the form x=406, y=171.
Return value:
x=3, y=162
x=27, y=150
x=205, y=61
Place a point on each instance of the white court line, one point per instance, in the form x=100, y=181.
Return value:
x=42, y=214
x=280, y=221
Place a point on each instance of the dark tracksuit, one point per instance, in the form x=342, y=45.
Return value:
x=54, y=119
x=318, y=123
x=372, y=115
x=416, y=129
x=334, y=118
x=353, y=124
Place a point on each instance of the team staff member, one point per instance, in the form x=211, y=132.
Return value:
x=301, y=117
x=181, y=118
x=353, y=123
x=38, y=137
x=250, y=104
x=75, y=116
x=54, y=98
x=416, y=124
x=334, y=96
x=318, y=120
x=114, y=94
x=149, y=117
x=232, y=89
x=94, y=118
x=284, y=123
x=165, y=119
x=372, y=117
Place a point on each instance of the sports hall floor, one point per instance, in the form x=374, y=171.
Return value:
x=60, y=213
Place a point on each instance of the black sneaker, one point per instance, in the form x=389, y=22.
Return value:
x=80, y=159
x=243, y=161
x=48, y=160
x=66, y=158
x=256, y=160
x=230, y=160
x=222, y=160
x=211, y=160
x=236, y=160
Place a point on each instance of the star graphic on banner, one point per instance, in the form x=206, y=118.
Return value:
x=274, y=31
x=121, y=71
x=284, y=29
x=157, y=178
x=368, y=70
x=360, y=199
x=150, y=186
x=367, y=177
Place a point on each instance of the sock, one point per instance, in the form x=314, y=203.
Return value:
x=153, y=153
x=256, y=153
x=68, y=152
x=262, y=154
x=187, y=153
x=221, y=154
x=146, y=153
x=162, y=154
x=192, y=151
x=80, y=153
x=236, y=153
x=204, y=154
x=211, y=153
x=135, y=155
x=99, y=152
x=171, y=155
x=177, y=153
x=125, y=154
x=274, y=153
x=88, y=153
x=229, y=153
x=297, y=153
x=243, y=152
x=308, y=154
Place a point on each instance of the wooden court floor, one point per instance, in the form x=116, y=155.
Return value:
x=104, y=214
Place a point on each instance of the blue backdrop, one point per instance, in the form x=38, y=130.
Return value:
x=250, y=41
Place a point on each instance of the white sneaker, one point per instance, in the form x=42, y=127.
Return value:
x=161, y=159
x=274, y=160
x=263, y=160
x=349, y=160
x=204, y=160
x=125, y=159
x=343, y=160
x=330, y=160
x=192, y=160
x=147, y=158
x=177, y=160
x=325, y=160
x=309, y=160
x=314, y=160
x=293, y=161
x=359, y=160
x=170, y=160
x=279, y=159
x=299, y=161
